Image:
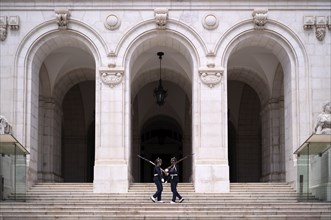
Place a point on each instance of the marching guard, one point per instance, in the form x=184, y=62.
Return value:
x=158, y=180
x=174, y=179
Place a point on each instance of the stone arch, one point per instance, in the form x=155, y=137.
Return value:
x=179, y=29
x=149, y=40
x=33, y=49
x=289, y=50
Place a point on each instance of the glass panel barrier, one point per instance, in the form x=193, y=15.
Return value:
x=12, y=169
x=314, y=169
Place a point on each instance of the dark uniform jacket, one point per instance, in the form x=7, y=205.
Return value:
x=173, y=174
x=157, y=174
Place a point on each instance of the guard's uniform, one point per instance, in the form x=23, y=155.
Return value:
x=174, y=179
x=158, y=181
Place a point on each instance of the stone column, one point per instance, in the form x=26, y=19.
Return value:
x=111, y=169
x=211, y=159
x=272, y=142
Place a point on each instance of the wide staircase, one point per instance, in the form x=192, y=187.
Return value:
x=245, y=201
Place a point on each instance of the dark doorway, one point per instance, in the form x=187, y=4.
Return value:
x=78, y=133
x=244, y=133
x=161, y=137
x=90, y=152
x=232, y=152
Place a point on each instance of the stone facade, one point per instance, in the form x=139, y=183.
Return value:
x=223, y=60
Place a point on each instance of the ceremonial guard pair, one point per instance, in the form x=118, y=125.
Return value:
x=171, y=174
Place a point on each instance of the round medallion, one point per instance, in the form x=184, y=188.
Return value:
x=112, y=22
x=210, y=22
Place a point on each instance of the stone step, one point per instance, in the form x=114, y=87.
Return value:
x=77, y=201
x=162, y=207
x=166, y=217
x=163, y=212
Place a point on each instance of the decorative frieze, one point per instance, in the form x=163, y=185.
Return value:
x=211, y=75
x=260, y=16
x=62, y=16
x=12, y=21
x=161, y=17
x=111, y=76
x=5, y=127
x=319, y=22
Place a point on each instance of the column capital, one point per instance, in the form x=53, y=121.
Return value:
x=111, y=76
x=211, y=75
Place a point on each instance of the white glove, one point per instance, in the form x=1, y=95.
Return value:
x=166, y=170
x=162, y=180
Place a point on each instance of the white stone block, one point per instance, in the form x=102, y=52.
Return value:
x=110, y=178
x=211, y=178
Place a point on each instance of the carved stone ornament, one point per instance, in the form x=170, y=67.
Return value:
x=112, y=22
x=3, y=28
x=14, y=22
x=260, y=16
x=320, y=33
x=323, y=122
x=308, y=22
x=5, y=127
x=329, y=22
x=62, y=16
x=111, y=76
x=211, y=75
x=161, y=16
x=321, y=24
x=210, y=22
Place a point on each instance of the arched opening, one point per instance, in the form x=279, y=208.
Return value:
x=161, y=131
x=244, y=139
x=77, y=133
x=255, y=113
x=66, y=110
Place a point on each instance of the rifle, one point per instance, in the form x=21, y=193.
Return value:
x=151, y=163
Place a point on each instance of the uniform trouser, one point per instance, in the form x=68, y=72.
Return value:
x=158, y=192
x=174, y=190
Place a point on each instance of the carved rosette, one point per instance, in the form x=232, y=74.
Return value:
x=62, y=17
x=211, y=75
x=161, y=16
x=260, y=16
x=111, y=76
